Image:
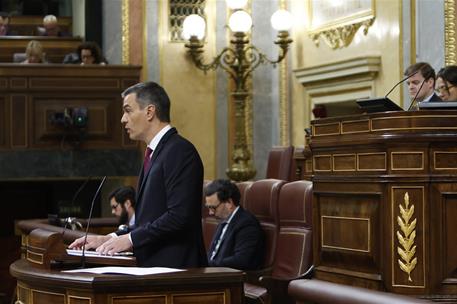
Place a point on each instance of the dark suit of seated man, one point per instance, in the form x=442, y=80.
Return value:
x=239, y=240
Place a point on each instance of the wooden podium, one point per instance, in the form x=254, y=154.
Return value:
x=39, y=282
x=385, y=201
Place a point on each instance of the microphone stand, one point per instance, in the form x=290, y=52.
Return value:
x=83, y=255
x=401, y=81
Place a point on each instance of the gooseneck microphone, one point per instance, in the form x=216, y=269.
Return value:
x=68, y=220
x=83, y=256
x=401, y=81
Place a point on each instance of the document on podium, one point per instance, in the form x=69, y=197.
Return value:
x=91, y=253
x=125, y=270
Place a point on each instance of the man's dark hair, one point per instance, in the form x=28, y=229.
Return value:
x=151, y=93
x=425, y=69
x=225, y=189
x=449, y=74
x=5, y=15
x=94, y=50
x=122, y=194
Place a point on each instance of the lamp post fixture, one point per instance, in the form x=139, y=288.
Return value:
x=239, y=61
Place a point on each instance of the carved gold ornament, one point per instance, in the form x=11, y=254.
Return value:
x=341, y=36
x=406, y=237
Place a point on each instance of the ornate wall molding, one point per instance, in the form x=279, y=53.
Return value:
x=450, y=32
x=125, y=32
x=338, y=25
x=284, y=136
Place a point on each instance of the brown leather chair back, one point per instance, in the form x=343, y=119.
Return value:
x=294, y=247
x=261, y=199
x=243, y=187
x=280, y=160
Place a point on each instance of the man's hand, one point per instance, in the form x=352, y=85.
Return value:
x=115, y=245
x=92, y=242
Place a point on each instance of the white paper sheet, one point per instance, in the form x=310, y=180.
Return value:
x=126, y=270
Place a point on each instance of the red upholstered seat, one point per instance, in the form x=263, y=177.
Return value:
x=261, y=200
x=293, y=250
x=280, y=163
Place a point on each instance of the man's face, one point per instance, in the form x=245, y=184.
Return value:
x=414, y=85
x=216, y=208
x=52, y=29
x=4, y=25
x=116, y=208
x=87, y=57
x=135, y=119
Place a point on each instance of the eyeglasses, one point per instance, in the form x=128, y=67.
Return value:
x=213, y=207
x=114, y=206
x=443, y=88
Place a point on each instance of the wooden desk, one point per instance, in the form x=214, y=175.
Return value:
x=199, y=285
x=385, y=201
x=55, y=47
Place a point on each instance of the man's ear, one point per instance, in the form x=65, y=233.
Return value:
x=150, y=111
x=127, y=204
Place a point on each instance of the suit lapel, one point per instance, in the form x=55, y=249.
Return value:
x=155, y=154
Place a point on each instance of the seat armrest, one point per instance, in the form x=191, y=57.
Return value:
x=252, y=276
x=277, y=289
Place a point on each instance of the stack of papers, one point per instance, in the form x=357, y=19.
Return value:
x=126, y=270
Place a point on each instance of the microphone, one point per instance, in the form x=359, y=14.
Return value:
x=415, y=96
x=83, y=256
x=401, y=81
x=69, y=220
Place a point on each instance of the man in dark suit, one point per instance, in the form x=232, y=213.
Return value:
x=168, y=229
x=421, y=85
x=239, y=240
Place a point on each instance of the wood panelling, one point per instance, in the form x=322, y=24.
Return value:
x=140, y=299
x=41, y=296
x=445, y=160
x=355, y=126
x=27, y=25
x=35, y=93
x=54, y=47
x=203, y=298
x=3, y=121
x=371, y=161
x=18, y=118
x=391, y=223
x=407, y=160
x=326, y=129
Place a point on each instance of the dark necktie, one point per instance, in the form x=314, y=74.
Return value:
x=217, y=240
x=147, y=160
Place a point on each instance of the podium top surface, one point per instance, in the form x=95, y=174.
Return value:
x=23, y=271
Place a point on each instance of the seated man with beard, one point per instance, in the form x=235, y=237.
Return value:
x=122, y=202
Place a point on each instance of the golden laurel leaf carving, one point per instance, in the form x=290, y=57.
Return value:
x=406, y=237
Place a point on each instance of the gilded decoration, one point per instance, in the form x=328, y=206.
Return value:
x=406, y=237
x=337, y=24
x=125, y=32
x=283, y=97
x=450, y=32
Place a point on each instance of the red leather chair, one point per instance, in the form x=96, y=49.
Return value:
x=261, y=200
x=280, y=163
x=293, y=251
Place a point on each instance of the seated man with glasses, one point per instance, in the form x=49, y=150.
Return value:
x=239, y=240
x=446, y=83
x=421, y=83
x=122, y=202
